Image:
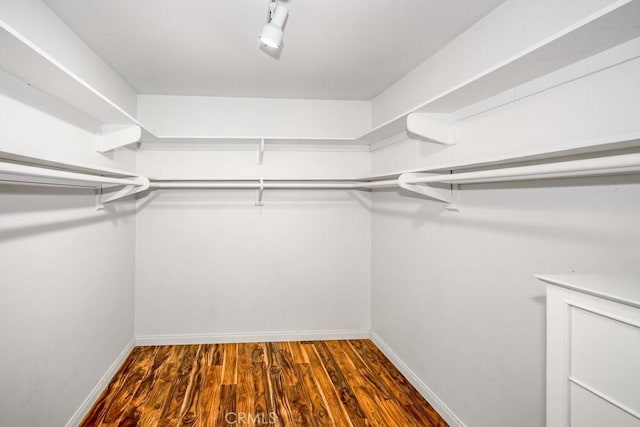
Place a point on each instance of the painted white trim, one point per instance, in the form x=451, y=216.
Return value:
x=89, y=401
x=422, y=388
x=605, y=397
x=239, y=337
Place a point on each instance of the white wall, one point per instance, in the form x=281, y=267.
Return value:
x=211, y=264
x=453, y=293
x=207, y=116
x=66, y=276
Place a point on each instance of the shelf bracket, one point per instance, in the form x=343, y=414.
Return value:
x=116, y=136
x=260, y=152
x=435, y=193
x=259, y=193
x=434, y=127
x=142, y=184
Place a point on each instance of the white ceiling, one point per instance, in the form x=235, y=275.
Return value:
x=332, y=49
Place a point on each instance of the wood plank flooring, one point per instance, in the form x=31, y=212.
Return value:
x=310, y=383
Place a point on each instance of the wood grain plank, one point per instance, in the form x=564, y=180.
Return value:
x=282, y=352
x=217, y=354
x=281, y=405
x=245, y=396
x=366, y=395
x=296, y=352
x=369, y=381
x=118, y=407
x=189, y=410
x=319, y=406
x=230, y=364
x=369, y=375
x=131, y=417
x=210, y=398
x=338, y=411
x=263, y=406
x=227, y=415
x=415, y=403
x=166, y=367
x=401, y=390
x=173, y=405
x=347, y=396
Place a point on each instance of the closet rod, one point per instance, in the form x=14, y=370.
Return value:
x=252, y=185
x=40, y=172
x=613, y=165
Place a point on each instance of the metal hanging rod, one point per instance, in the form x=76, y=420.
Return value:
x=19, y=172
x=54, y=174
x=265, y=184
x=613, y=165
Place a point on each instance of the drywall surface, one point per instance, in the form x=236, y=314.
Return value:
x=212, y=266
x=206, y=116
x=453, y=293
x=66, y=277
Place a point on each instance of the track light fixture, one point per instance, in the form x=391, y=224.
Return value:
x=272, y=33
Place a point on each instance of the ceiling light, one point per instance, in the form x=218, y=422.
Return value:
x=272, y=33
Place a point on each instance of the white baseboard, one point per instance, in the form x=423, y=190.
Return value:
x=422, y=388
x=250, y=337
x=80, y=413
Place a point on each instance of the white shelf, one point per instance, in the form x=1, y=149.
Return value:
x=20, y=169
x=65, y=165
x=32, y=65
x=581, y=148
x=603, y=30
x=607, y=28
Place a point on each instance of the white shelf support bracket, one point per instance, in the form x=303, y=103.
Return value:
x=116, y=136
x=435, y=193
x=260, y=152
x=259, y=193
x=438, y=128
x=142, y=184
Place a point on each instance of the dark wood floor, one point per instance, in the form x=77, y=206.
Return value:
x=314, y=383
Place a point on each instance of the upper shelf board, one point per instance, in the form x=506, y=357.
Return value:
x=66, y=165
x=35, y=67
x=609, y=27
x=605, y=29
